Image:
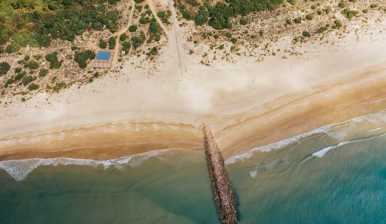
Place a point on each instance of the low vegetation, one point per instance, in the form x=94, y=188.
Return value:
x=4, y=68
x=83, y=57
x=38, y=22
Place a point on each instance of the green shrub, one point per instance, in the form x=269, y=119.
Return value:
x=27, y=80
x=133, y=28
x=43, y=72
x=126, y=46
x=349, y=14
x=337, y=24
x=32, y=64
x=52, y=58
x=298, y=20
x=202, y=16
x=306, y=34
x=309, y=16
x=82, y=58
x=137, y=41
x=59, y=86
x=33, y=87
x=243, y=21
x=4, y=68
x=164, y=16
x=123, y=37
x=20, y=75
x=112, y=42
x=102, y=44
x=185, y=13
x=153, y=27
x=37, y=22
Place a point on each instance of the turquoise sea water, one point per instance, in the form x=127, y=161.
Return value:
x=287, y=185
x=172, y=188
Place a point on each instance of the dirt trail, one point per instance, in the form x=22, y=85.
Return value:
x=119, y=33
x=152, y=8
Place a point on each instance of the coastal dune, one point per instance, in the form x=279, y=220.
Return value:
x=246, y=103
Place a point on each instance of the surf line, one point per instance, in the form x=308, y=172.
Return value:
x=223, y=195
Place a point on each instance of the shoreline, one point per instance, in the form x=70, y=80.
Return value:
x=247, y=104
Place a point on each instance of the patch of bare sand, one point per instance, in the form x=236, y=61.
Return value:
x=247, y=103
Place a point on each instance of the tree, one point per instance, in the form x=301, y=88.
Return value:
x=82, y=58
x=102, y=44
x=201, y=17
x=137, y=41
x=112, y=42
x=4, y=68
x=126, y=46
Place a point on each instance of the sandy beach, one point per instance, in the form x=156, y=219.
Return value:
x=246, y=103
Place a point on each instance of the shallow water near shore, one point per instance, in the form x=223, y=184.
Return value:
x=170, y=188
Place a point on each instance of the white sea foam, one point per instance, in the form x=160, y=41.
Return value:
x=276, y=145
x=322, y=152
x=340, y=132
x=19, y=169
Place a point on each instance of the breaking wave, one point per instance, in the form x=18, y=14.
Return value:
x=356, y=129
x=20, y=169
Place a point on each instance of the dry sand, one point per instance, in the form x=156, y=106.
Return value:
x=246, y=103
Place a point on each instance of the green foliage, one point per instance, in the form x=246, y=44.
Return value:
x=133, y=28
x=337, y=24
x=126, y=46
x=243, y=21
x=219, y=15
x=32, y=65
x=4, y=68
x=164, y=16
x=27, y=80
x=123, y=37
x=137, y=41
x=82, y=58
x=33, y=87
x=112, y=42
x=184, y=12
x=202, y=16
x=292, y=2
x=59, y=86
x=349, y=14
x=309, y=16
x=102, y=44
x=153, y=51
x=19, y=75
x=43, y=72
x=153, y=27
x=37, y=22
x=144, y=19
x=52, y=58
x=306, y=34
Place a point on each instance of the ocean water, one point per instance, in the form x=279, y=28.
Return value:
x=170, y=188
x=332, y=175
x=304, y=183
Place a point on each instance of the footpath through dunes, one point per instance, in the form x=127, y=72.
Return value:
x=221, y=187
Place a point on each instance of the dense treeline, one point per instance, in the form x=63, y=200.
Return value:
x=219, y=15
x=37, y=22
